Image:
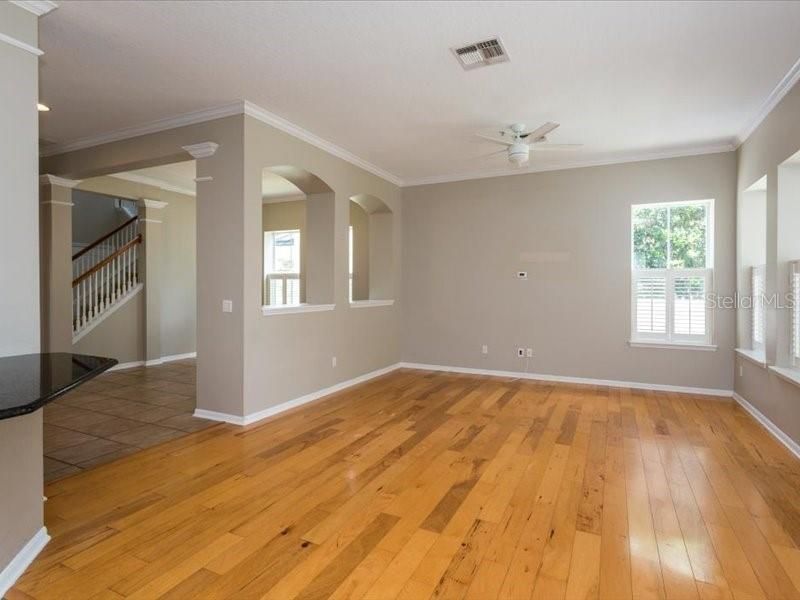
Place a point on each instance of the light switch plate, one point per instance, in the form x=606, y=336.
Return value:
x=227, y=306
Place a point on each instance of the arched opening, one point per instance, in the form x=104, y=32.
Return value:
x=370, y=247
x=298, y=237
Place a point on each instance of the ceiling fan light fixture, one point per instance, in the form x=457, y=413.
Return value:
x=518, y=154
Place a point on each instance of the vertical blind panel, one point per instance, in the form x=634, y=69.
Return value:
x=758, y=288
x=689, y=305
x=651, y=305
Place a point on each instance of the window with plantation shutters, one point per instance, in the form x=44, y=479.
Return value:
x=758, y=316
x=672, y=273
x=795, y=304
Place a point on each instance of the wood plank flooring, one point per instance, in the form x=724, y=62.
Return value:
x=433, y=485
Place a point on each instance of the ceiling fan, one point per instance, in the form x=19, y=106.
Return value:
x=519, y=141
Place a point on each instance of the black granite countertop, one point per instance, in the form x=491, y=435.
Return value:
x=29, y=381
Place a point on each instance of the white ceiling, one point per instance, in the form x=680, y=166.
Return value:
x=378, y=79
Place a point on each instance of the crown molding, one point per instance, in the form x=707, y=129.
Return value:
x=153, y=182
x=37, y=7
x=263, y=115
x=201, y=150
x=190, y=118
x=59, y=181
x=578, y=164
x=148, y=203
x=20, y=44
x=775, y=96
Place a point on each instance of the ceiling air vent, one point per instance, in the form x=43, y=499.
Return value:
x=481, y=54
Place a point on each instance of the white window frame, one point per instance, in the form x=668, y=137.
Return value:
x=758, y=315
x=794, y=334
x=350, y=260
x=283, y=276
x=670, y=337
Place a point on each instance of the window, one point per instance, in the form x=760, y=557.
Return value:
x=757, y=291
x=795, y=304
x=282, y=267
x=672, y=272
x=350, y=259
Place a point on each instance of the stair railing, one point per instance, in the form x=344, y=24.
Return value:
x=105, y=246
x=103, y=284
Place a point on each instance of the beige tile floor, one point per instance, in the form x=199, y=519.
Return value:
x=117, y=414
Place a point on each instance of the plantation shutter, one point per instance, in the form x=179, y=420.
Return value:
x=650, y=300
x=796, y=312
x=689, y=304
x=758, y=289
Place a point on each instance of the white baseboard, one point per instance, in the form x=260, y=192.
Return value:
x=576, y=380
x=23, y=559
x=284, y=406
x=154, y=362
x=776, y=432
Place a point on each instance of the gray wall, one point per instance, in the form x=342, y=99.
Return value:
x=775, y=140
x=93, y=216
x=21, y=473
x=464, y=241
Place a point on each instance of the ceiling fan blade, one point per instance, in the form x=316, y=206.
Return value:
x=548, y=146
x=497, y=153
x=539, y=132
x=497, y=138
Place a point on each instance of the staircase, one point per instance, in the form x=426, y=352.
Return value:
x=104, y=273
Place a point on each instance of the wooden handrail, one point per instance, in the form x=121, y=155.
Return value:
x=107, y=260
x=99, y=241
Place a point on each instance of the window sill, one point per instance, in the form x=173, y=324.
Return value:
x=369, y=303
x=672, y=345
x=787, y=374
x=753, y=356
x=271, y=311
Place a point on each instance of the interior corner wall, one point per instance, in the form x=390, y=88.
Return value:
x=289, y=356
x=21, y=470
x=774, y=140
x=571, y=231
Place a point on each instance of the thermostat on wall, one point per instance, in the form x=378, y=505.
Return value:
x=522, y=274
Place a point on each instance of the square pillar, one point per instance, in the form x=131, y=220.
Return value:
x=149, y=266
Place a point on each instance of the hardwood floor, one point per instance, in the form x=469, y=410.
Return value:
x=433, y=485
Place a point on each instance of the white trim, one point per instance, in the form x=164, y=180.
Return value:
x=150, y=221
x=201, y=150
x=59, y=203
x=787, y=374
x=576, y=380
x=672, y=345
x=775, y=96
x=753, y=356
x=119, y=303
x=577, y=164
x=270, y=311
x=37, y=7
x=23, y=559
x=370, y=303
x=288, y=405
x=776, y=432
x=154, y=362
x=60, y=181
x=20, y=44
x=154, y=203
x=152, y=181
x=265, y=116
x=202, y=179
x=191, y=118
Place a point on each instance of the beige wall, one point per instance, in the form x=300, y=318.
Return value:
x=288, y=356
x=464, y=242
x=776, y=139
x=359, y=220
x=121, y=335
x=21, y=472
x=177, y=264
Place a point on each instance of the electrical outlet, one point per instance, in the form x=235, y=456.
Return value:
x=521, y=352
x=529, y=352
x=484, y=349
x=333, y=362
x=522, y=274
